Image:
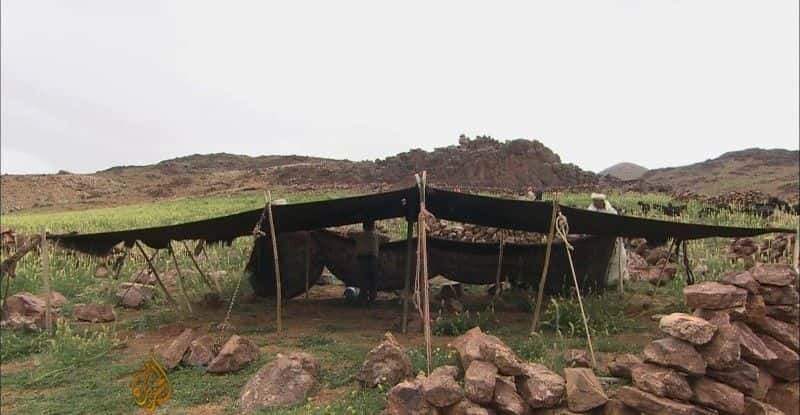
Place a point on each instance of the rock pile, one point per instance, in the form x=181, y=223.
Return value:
x=25, y=311
x=736, y=354
x=192, y=350
x=475, y=233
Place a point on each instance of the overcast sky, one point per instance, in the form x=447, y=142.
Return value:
x=91, y=84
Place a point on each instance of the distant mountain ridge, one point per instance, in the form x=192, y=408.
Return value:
x=624, y=171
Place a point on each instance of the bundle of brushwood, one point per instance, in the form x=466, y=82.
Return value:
x=475, y=233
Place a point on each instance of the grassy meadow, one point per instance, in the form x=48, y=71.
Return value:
x=87, y=368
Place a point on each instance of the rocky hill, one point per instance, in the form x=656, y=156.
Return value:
x=774, y=172
x=482, y=162
x=624, y=171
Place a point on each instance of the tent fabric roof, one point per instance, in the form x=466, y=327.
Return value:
x=533, y=216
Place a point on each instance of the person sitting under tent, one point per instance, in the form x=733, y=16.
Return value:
x=368, y=244
x=617, y=265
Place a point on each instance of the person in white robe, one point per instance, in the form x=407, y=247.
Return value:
x=617, y=265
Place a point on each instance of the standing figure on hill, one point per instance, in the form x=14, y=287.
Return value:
x=368, y=244
x=618, y=264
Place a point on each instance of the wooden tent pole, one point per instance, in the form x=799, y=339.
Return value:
x=546, y=267
x=200, y=270
x=155, y=273
x=278, y=293
x=45, y=255
x=796, y=255
x=620, y=247
x=180, y=278
x=407, y=280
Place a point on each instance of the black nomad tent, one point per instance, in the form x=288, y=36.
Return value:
x=304, y=244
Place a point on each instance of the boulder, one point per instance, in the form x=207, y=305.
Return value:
x=765, y=382
x=622, y=364
x=406, y=398
x=651, y=404
x=387, y=363
x=584, y=391
x=712, y=295
x=447, y=370
x=676, y=354
x=717, y=395
x=94, y=313
x=506, y=399
x=145, y=277
x=786, y=397
x=101, y=272
x=786, y=333
x=577, y=358
x=24, y=309
x=235, y=354
x=616, y=407
x=755, y=309
x=441, y=390
x=744, y=377
x=479, y=382
x=495, y=351
x=774, y=274
x=786, y=313
x=724, y=349
x=540, y=387
x=133, y=295
x=468, y=346
x=287, y=380
x=201, y=351
x=780, y=295
x=171, y=354
x=753, y=348
x=756, y=407
x=787, y=364
x=695, y=330
x=57, y=300
x=742, y=280
x=465, y=407
x=661, y=381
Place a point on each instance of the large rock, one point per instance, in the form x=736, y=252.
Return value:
x=765, y=382
x=744, y=377
x=650, y=404
x=235, y=354
x=742, y=280
x=717, y=395
x=441, y=390
x=786, y=333
x=584, y=391
x=24, y=310
x=695, y=330
x=774, y=274
x=755, y=309
x=94, y=313
x=540, y=387
x=287, y=380
x=468, y=346
x=57, y=300
x=718, y=317
x=753, y=348
x=465, y=407
x=786, y=397
x=724, y=349
x=171, y=354
x=506, y=399
x=577, y=358
x=756, y=407
x=622, y=365
x=617, y=407
x=479, y=381
x=676, y=354
x=201, y=351
x=386, y=364
x=406, y=398
x=774, y=295
x=787, y=364
x=145, y=277
x=133, y=295
x=787, y=313
x=661, y=381
x=495, y=351
x=714, y=296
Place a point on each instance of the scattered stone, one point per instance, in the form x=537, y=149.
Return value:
x=506, y=399
x=237, y=353
x=479, y=382
x=577, y=358
x=784, y=332
x=744, y=377
x=787, y=365
x=24, y=310
x=387, y=363
x=406, y=398
x=724, y=350
x=780, y=295
x=695, y=330
x=774, y=274
x=94, y=313
x=101, y=272
x=540, y=387
x=651, y=404
x=717, y=395
x=584, y=391
x=753, y=348
x=465, y=407
x=134, y=295
x=616, y=407
x=57, y=300
x=786, y=313
x=676, y=354
x=441, y=390
x=742, y=280
x=714, y=296
x=755, y=407
x=201, y=351
x=287, y=380
x=145, y=277
x=171, y=354
x=19, y=322
x=661, y=381
x=622, y=364
x=786, y=397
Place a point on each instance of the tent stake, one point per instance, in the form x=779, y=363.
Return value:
x=155, y=273
x=48, y=314
x=200, y=270
x=407, y=280
x=277, y=264
x=545, y=268
x=180, y=277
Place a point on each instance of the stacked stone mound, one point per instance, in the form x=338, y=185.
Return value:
x=737, y=353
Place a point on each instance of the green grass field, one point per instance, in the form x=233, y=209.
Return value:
x=87, y=368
